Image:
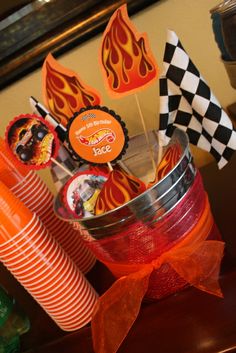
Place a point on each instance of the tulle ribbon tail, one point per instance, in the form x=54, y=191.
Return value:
x=201, y=269
x=117, y=309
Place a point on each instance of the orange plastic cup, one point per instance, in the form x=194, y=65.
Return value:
x=24, y=233
x=33, y=192
x=73, y=317
x=78, y=302
x=44, y=209
x=68, y=302
x=59, y=296
x=58, y=291
x=44, y=249
x=17, y=244
x=33, y=275
x=33, y=243
x=34, y=251
x=28, y=190
x=42, y=281
x=24, y=183
x=82, y=320
x=70, y=315
x=82, y=316
x=31, y=267
x=14, y=215
x=37, y=200
x=41, y=284
x=9, y=174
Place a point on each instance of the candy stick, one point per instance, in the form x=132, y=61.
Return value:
x=145, y=132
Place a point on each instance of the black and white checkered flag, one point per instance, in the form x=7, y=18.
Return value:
x=59, y=176
x=38, y=108
x=187, y=102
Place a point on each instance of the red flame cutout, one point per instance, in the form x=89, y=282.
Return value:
x=117, y=190
x=169, y=160
x=63, y=91
x=126, y=59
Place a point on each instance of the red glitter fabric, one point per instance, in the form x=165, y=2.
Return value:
x=195, y=258
x=142, y=243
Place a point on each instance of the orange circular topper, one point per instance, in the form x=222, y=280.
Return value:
x=97, y=135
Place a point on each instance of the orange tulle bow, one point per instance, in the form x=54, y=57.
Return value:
x=194, y=258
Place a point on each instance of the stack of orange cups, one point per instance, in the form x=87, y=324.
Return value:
x=34, y=193
x=41, y=265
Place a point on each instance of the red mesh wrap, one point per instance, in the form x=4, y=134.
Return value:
x=141, y=243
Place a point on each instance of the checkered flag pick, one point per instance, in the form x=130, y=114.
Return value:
x=187, y=102
x=59, y=176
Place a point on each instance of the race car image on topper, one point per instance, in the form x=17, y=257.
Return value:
x=32, y=140
x=81, y=191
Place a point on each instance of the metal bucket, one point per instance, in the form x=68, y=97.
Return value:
x=152, y=223
x=152, y=204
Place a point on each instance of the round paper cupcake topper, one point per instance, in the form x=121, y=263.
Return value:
x=32, y=141
x=97, y=135
x=81, y=191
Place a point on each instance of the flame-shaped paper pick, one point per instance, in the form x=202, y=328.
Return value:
x=117, y=190
x=63, y=91
x=167, y=163
x=125, y=56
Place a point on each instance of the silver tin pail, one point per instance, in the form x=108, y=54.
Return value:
x=151, y=205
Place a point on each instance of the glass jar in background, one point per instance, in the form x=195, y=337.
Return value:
x=13, y=323
x=224, y=27
x=228, y=23
x=217, y=29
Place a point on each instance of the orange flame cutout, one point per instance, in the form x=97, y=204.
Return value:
x=169, y=160
x=117, y=190
x=63, y=91
x=126, y=59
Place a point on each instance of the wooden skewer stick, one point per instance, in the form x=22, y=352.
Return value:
x=146, y=134
x=160, y=153
x=110, y=166
x=62, y=167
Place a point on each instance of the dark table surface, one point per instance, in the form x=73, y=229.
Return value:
x=189, y=321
